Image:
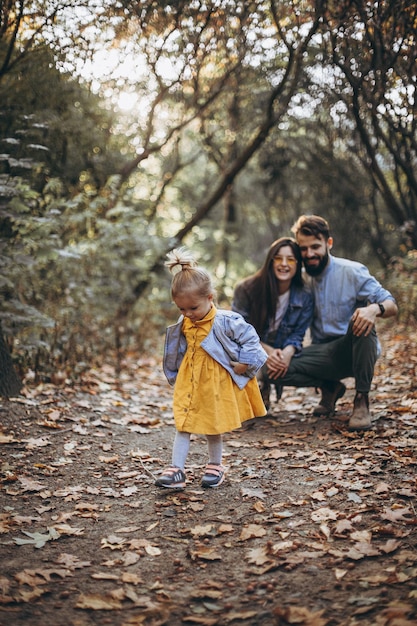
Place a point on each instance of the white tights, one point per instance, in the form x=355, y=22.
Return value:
x=182, y=445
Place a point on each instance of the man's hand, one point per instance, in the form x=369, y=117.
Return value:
x=364, y=320
x=238, y=368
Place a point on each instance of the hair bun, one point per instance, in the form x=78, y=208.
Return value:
x=180, y=257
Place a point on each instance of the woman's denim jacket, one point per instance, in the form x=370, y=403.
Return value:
x=230, y=339
x=295, y=322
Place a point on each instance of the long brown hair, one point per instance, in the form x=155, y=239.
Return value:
x=263, y=285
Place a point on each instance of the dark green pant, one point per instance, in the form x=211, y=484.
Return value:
x=344, y=357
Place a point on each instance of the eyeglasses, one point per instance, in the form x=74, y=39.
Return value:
x=285, y=260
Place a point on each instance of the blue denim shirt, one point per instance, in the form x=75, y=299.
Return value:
x=295, y=322
x=338, y=291
x=230, y=339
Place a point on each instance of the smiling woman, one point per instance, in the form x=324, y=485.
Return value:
x=275, y=301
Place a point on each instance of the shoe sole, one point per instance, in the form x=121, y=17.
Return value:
x=208, y=486
x=205, y=486
x=359, y=428
x=177, y=486
x=326, y=412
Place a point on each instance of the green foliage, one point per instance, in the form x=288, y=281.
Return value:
x=54, y=161
x=51, y=126
x=75, y=270
x=402, y=281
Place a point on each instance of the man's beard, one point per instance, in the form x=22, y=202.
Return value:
x=316, y=270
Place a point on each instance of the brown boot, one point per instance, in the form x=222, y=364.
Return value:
x=361, y=417
x=330, y=394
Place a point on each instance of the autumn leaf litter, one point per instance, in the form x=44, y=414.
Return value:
x=314, y=525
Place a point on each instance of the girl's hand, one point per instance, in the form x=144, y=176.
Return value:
x=238, y=368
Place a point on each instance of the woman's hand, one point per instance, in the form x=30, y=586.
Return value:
x=278, y=361
x=239, y=368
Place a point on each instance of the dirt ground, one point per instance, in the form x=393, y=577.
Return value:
x=313, y=525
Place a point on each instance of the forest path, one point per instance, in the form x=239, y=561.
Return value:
x=313, y=525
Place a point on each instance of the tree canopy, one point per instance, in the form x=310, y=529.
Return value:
x=128, y=128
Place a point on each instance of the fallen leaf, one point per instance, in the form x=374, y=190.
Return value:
x=202, y=531
x=390, y=546
x=360, y=550
x=109, y=459
x=259, y=556
x=282, y=546
x=38, y=540
x=361, y=536
x=318, y=495
x=397, y=515
x=30, y=485
x=382, y=488
x=196, y=506
x=240, y=615
x=39, y=442
x=323, y=514
x=113, y=542
x=7, y=438
x=213, y=594
x=251, y=531
x=354, y=497
x=128, y=491
x=277, y=454
x=127, y=529
x=195, y=619
x=225, y=528
x=97, y=602
x=86, y=506
x=132, y=578
x=104, y=576
x=152, y=550
x=71, y=562
x=342, y=526
x=32, y=594
x=340, y=573
x=35, y=577
x=283, y=514
x=129, y=558
x=206, y=554
x=253, y=493
x=325, y=530
x=66, y=529
x=301, y=615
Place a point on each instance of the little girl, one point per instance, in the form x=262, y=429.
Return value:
x=212, y=356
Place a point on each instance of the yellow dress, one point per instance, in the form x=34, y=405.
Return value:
x=206, y=399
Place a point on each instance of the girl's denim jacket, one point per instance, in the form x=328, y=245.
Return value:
x=230, y=339
x=295, y=322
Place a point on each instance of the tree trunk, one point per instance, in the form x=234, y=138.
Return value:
x=10, y=384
